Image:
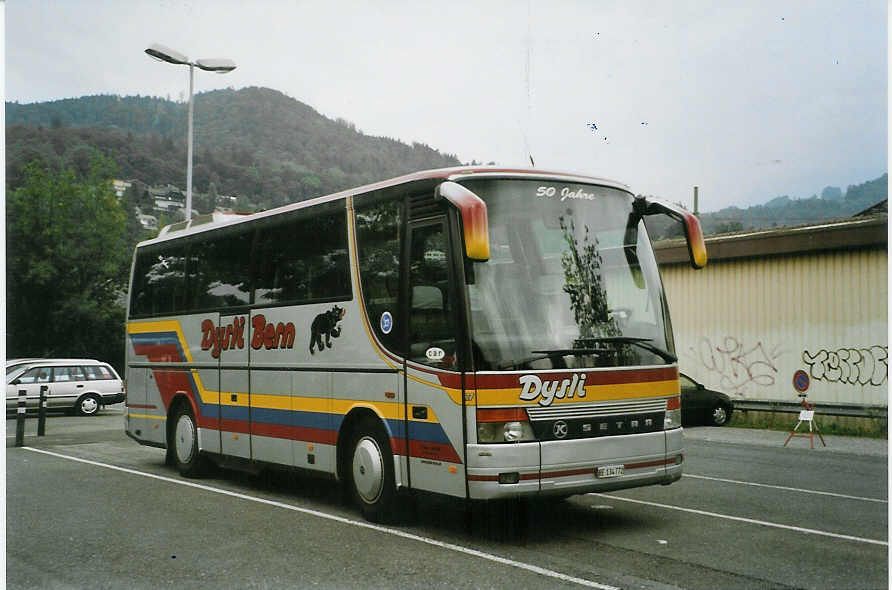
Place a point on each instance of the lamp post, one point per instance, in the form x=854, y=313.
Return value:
x=218, y=66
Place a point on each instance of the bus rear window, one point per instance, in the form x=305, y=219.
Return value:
x=159, y=284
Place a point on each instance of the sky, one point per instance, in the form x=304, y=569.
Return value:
x=746, y=100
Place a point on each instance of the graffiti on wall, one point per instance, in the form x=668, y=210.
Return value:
x=855, y=366
x=739, y=365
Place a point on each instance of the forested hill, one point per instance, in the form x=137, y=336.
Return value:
x=255, y=143
x=269, y=149
x=831, y=203
x=784, y=211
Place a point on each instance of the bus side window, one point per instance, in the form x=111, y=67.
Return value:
x=220, y=270
x=378, y=234
x=303, y=260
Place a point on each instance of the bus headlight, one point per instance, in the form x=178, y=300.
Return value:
x=503, y=425
x=499, y=432
x=673, y=413
x=517, y=431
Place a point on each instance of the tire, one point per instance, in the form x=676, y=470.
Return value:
x=370, y=471
x=88, y=405
x=719, y=415
x=184, y=441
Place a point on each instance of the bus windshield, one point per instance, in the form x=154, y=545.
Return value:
x=571, y=281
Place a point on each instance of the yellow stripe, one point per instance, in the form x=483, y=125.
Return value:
x=386, y=410
x=321, y=405
x=148, y=416
x=593, y=393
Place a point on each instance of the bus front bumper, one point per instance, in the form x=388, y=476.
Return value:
x=565, y=468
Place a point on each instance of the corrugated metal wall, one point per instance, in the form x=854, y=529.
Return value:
x=746, y=326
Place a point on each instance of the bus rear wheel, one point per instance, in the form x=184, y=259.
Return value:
x=371, y=472
x=185, y=443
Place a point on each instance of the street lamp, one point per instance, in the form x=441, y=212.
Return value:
x=218, y=66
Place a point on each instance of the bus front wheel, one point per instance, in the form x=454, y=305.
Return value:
x=371, y=471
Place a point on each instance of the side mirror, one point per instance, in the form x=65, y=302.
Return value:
x=692, y=232
x=475, y=225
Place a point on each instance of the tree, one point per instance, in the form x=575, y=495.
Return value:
x=727, y=227
x=67, y=264
x=583, y=283
x=831, y=193
x=212, y=194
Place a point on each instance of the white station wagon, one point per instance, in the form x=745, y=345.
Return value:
x=77, y=385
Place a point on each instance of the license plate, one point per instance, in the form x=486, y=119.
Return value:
x=609, y=471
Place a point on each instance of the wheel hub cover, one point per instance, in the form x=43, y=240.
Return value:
x=185, y=439
x=368, y=470
x=89, y=405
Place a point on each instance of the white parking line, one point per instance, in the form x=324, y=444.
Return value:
x=804, y=491
x=746, y=520
x=395, y=532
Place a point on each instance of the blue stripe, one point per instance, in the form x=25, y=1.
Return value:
x=427, y=431
x=298, y=418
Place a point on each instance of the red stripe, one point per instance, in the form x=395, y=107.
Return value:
x=433, y=451
x=619, y=377
x=483, y=478
x=159, y=353
x=141, y=406
x=658, y=463
x=300, y=433
x=229, y=425
x=502, y=415
x=398, y=445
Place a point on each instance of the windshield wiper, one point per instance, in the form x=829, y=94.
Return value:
x=644, y=343
x=552, y=354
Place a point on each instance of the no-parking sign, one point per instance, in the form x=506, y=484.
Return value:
x=801, y=381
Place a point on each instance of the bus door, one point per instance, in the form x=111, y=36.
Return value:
x=235, y=398
x=433, y=406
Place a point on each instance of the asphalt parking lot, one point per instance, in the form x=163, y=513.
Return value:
x=749, y=513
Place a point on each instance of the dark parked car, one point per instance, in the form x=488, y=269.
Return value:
x=703, y=406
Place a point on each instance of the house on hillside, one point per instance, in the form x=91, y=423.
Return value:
x=149, y=222
x=120, y=187
x=226, y=201
x=168, y=198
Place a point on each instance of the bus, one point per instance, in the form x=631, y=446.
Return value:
x=478, y=332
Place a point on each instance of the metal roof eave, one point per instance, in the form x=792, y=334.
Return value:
x=834, y=235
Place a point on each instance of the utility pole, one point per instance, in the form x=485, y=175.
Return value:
x=696, y=201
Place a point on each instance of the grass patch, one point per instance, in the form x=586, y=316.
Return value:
x=836, y=425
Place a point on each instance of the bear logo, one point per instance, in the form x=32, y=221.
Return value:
x=325, y=324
